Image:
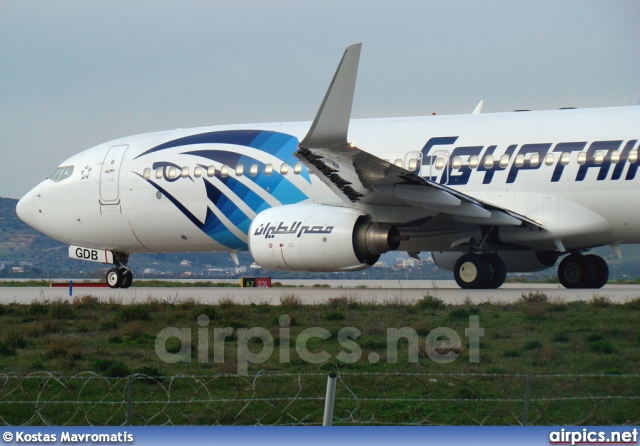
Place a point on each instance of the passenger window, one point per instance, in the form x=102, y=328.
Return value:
x=413, y=164
x=582, y=158
x=534, y=161
x=197, y=172
x=488, y=162
x=146, y=173
x=253, y=171
x=633, y=156
x=398, y=163
x=599, y=157
x=456, y=162
x=185, y=172
x=519, y=162
x=297, y=168
x=159, y=172
x=504, y=160
x=473, y=161
x=211, y=171
x=548, y=159
x=224, y=171
x=284, y=169
x=440, y=163
x=172, y=173
x=615, y=156
x=268, y=169
x=239, y=170
x=565, y=158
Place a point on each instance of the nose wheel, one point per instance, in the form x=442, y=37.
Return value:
x=119, y=278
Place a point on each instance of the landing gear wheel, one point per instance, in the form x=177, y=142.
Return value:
x=498, y=271
x=114, y=278
x=127, y=279
x=600, y=271
x=472, y=271
x=575, y=271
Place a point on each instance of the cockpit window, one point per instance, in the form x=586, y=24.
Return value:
x=61, y=173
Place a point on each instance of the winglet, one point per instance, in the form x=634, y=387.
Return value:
x=478, y=108
x=331, y=124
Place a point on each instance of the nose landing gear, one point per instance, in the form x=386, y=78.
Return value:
x=121, y=276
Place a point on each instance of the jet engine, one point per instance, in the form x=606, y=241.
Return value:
x=312, y=237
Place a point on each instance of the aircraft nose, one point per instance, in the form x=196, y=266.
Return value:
x=26, y=210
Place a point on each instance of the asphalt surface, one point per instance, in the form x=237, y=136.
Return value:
x=366, y=291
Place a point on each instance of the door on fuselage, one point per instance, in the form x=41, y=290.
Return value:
x=110, y=176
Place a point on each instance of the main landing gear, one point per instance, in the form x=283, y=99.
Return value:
x=474, y=271
x=580, y=271
x=121, y=276
x=488, y=271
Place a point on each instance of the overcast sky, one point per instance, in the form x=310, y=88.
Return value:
x=74, y=74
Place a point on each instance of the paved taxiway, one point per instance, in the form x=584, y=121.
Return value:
x=375, y=291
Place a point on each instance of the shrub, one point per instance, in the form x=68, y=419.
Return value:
x=86, y=302
x=511, y=353
x=535, y=297
x=459, y=313
x=600, y=301
x=290, y=301
x=429, y=302
x=633, y=304
x=37, y=308
x=61, y=310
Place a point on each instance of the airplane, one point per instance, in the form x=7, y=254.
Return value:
x=485, y=193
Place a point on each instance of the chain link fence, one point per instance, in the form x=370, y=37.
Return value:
x=268, y=398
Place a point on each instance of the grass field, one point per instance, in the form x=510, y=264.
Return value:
x=69, y=362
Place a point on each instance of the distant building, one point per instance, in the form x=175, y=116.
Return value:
x=254, y=265
x=185, y=263
x=17, y=269
x=410, y=263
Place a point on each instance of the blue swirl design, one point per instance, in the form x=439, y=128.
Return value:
x=278, y=145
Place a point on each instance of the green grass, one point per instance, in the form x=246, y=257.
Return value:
x=65, y=348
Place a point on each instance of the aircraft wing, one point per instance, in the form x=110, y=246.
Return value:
x=360, y=177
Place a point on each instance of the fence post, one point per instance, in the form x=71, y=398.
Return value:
x=526, y=401
x=129, y=400
x=329, y=400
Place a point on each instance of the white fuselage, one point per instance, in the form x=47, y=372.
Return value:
x=199, y=189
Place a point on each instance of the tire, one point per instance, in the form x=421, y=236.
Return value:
x=472, y=271
x=114, y=278
x=498, y=273
x=127, y=279
x=575, y=271
x=600, y=271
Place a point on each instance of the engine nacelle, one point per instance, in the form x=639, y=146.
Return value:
x=312, y=237
x=515, y=261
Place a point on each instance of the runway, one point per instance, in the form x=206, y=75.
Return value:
x=318, y=291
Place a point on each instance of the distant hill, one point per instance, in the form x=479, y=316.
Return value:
x=36, y=255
